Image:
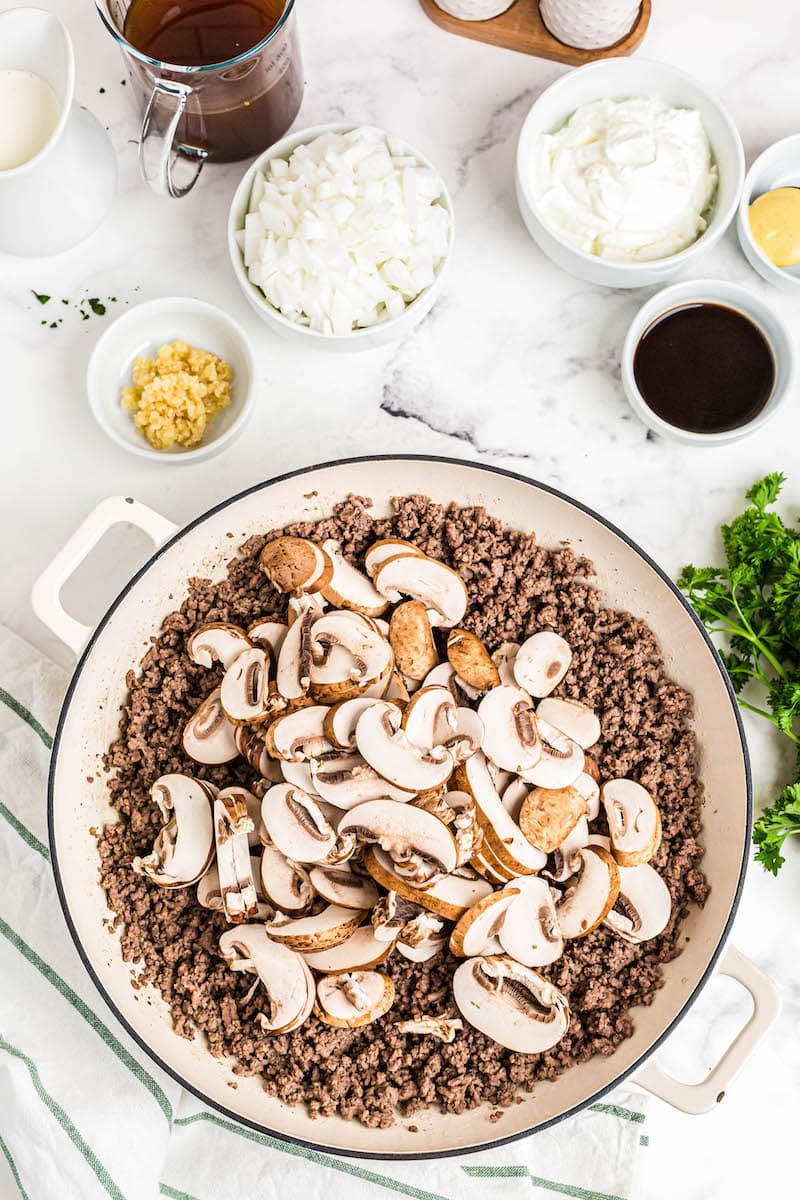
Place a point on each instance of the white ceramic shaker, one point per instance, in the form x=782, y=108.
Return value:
x=474, y=10
x=589, y=24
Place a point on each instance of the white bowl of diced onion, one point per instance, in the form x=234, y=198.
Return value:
x=344, y=245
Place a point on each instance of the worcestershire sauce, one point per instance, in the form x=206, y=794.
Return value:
x=705, y=368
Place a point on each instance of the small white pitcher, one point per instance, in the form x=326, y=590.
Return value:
x=61, y=195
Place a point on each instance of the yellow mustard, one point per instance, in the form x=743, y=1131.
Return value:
x=775, y=225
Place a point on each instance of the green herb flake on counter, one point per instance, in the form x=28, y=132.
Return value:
x=755, y=602
x=40, y=296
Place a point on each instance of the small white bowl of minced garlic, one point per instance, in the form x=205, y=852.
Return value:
x=172, y=380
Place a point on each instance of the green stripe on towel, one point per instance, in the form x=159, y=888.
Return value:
x=24, y=832
x=548, y=1185
x=173, y=1193
x=27, y=716
x=12, y=1166
x=627, y=1114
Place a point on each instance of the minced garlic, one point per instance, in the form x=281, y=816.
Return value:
x=175, y=394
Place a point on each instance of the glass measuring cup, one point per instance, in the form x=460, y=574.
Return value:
x=217, y=113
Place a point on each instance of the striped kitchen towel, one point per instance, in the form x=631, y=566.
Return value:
x=84, y=1115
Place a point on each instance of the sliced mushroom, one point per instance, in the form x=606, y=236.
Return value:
x=504, y=658
x=268, y=633
x=589, y=788
x=634, y=822
x=296, y=825
x=419, y=845
x=209, y=893
x=347, y=649
x=440, y=589
x=489, y=866
x=244, y=692
x=424, y=952
x=284, y=977
x=350, y=588
x=384, y=745
x=353, y=999
x=217, y=642
x=510, y=739
x=433, y=719
x=444, y=1029
x=572, y=718
x=391, y=914
x=448, y=897
x=513, y=796
x=319, y=931
x=233, y=826
x=480, y=923
x=445, y=676
x=511, y=1004
x=300, y=735
x=359, y=952
x=341, y=720
x=464, y=825
x=420, y=931
x=561, y=760
x=396, y=689
x=208, y=736
x=561, y=862
x=252, y=747
x=529, y=930
x=548, y=816
x=502, y=835
x=284, y=883
x=591, y=768
x=644, y=906
x=471, y=661
x=385, y=548
x=295, y=564
x=347, y=780
x=338, y=885
x=184, y=847
x=591, y=893
x=541, y=663
x=411, y=637
x=298, y=774
x=293, y=671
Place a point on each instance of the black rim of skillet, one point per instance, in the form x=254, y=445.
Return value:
x=365, y=1154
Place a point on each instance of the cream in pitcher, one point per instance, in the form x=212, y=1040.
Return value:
x=29, y=112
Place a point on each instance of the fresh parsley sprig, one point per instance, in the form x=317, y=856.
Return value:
x=754, y=601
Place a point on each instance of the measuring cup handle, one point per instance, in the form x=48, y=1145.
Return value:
x=158, y=152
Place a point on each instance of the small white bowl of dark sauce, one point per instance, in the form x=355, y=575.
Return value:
x=707, y=362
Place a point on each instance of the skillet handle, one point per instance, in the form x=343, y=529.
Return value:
x=695, y=1098
x=46, y=594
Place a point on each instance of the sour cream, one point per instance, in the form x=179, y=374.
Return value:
x=29, y=112
x=627, y=180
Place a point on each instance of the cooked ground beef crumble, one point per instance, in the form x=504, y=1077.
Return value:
x=374, y=1074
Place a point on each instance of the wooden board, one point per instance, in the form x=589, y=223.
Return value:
x=521, y=28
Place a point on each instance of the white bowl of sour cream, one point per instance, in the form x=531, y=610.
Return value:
x=627, y=170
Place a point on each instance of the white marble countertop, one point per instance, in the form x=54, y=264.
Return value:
x=516, y=366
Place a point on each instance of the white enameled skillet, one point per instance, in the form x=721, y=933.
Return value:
x=90, y=715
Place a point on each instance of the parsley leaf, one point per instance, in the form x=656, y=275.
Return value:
x=777, y=823
x=41, y=297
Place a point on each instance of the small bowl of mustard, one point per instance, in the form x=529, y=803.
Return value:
x=768, y=221
x=172, y=380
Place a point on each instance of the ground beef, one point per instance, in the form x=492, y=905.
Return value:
x=516, y=587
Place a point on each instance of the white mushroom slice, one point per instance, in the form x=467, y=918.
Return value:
x=209, y=893
x=502, y=835
x=445, y=676
x=548, y=816
x=513, y=796
x=644, y=906
x=184, y=847
x=348, y=655
x=511, y=1004
x=529, y=930
x=347, y=780
x=591, y=893
x=299, y=775
x=251, y=745
x=464, y=825
x=561, y=862
x=208, y=736
x=441, y=590
x=340, y=723
x=510, y=734
x=411, y=638
x=448, y=897
x=500, y=778
x=424, y=952
x=244, y=692
x=295, y=564
x=284, y=883
x=561, y=759
x=350, y=588
x=293, y=671
x=634, y=822
x=444, y=1029
x=353, y=999
x=338, y=885
x=385, y=548
x=300, y=735
x=491, y=869
x=480, y=923
x=284, y=977
x=430, y=717
x=217, y=642
x=361, y=951
x=392, y=914
x=296, y=825
x=504, y=658
x=305, y=602
x=384, y=745
x=420, y=930
x=269, y=634
x=395, y=689
x=416, y=841
x=471, y=661
x=541, y=663
x=233, y=826
x=319, y=931
x=589, y=788
x=576, y=720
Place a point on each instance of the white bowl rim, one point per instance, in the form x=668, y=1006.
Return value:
x=244, y=188
x=746, y=199
x=214, y=444
x=719, y=217
x=735, y=296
